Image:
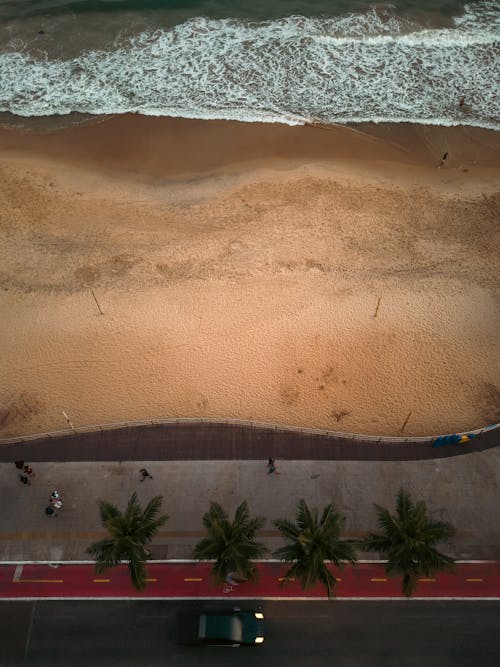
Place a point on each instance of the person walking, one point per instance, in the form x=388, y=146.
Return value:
x=443, y=159
x=55, y=496
x=145, y=474
x=24, y=479
x=50, y=512
x=28, y=470
x=19, y=464
x=271, y=467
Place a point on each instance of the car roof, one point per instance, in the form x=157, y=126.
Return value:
x=222, y=626
x=241, y=626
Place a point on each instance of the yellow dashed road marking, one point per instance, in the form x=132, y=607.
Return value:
x=474, y=580
x=425, y=580
x=19, y=573
x=376, y=579
x=101, y=581
x=39, y=581
x=194, y=579
x=151, y=579
x=286, y=579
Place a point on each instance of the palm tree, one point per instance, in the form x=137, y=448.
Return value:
x=408, y=540
x=231, y=543
x=313, y=542
x=129, y=532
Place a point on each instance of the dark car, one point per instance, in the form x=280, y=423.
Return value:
x=226, y=628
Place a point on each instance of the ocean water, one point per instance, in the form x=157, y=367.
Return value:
x=336, y=61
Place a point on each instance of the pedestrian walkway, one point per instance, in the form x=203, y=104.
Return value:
x=462, y=490
x=199, y=440
x=192, y=580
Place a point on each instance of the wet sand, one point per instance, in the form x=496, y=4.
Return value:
x=326, y=277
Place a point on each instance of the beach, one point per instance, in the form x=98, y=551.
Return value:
x=337, y=277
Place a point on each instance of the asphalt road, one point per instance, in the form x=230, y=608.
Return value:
x=306, y=634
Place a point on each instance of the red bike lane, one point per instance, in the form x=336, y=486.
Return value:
x=192, y=580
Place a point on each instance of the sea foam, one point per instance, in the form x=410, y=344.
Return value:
x=357, y=68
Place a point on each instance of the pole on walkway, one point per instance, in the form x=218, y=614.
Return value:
x=97, y=302
x=376, y=307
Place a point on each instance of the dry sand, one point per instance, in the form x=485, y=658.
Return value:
x=239, y=269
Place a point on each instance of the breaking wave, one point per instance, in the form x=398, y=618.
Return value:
x=357, y=68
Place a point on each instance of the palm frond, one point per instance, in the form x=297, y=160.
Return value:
x=206, y=549
x=137, y=571
x=152, y=510
x=376, y=542
x=289, y=552
x=328, y=581
x=105, y=553
x=214, y=515
x=231, y=544
x=128, y=533
x=107, y=511
x=407, y=539
x=287, y=528
x=312, y=542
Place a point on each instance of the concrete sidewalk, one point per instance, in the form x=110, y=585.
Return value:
x=463, y=490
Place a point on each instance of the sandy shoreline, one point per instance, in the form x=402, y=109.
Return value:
x=239, y=268
x=145, y=145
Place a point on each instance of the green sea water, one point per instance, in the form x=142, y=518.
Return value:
x=258, y=10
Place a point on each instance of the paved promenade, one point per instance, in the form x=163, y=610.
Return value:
x=192, y=580
x=211, y=440
x=461, y=489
